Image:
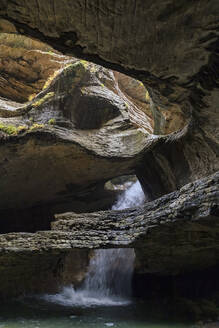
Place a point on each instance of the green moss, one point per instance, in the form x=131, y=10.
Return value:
x=52, y=121
x=21, y=128
x=11, y=129
x=50, y=79
x=41, y=101
x=85, y=63
x=36, y=126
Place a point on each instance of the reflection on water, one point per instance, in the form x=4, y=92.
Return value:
x=35, y=313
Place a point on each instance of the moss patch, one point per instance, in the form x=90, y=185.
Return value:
x=36, y=126
x=41, y=101
x=50, y=79
x=52, y=121
x=11, y=129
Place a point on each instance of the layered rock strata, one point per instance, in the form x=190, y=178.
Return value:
x=39, y=271
x=170, y=235
x=69, y=139
x=171, y=47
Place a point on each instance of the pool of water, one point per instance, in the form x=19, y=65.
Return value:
x=42, y=313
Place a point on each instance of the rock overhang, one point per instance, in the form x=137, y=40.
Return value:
x=165, y=232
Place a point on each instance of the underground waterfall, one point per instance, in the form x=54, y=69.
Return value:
x=109, y=276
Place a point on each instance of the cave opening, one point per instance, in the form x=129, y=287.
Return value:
x=117, y=193
x=108, y=280
x=111, y=117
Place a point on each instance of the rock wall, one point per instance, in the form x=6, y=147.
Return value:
x=34, y=272
x=171, y=47
x=169, y=137
x=67, y=141
x=171, y=234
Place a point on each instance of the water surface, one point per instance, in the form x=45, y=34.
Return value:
x=38, y=313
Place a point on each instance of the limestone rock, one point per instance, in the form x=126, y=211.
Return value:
x=64, y=144
x=25, y=65
x=40, y=272
x=172, y=47
x=170, y=235
x=173, y=234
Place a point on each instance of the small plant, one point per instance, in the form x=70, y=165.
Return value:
x=9, y=129
x=36, y=126
x=31, y=97
x=52, y=121
x=39, y=102
x=51, y=52
x=12, y=130
x=50, y=79
x=21, y=128
x=147, y=97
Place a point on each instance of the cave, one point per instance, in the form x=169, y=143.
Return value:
x=97, y=98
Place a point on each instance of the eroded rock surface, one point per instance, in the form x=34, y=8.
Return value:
x=171, y=47
x=25, y=65
x=65, y=143
x=170, y=235
x=42, y=271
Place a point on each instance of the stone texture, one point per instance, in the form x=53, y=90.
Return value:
x=171, y=235
x=41, y=271
x=171, y=47
x=25, y=65
x=68, y=141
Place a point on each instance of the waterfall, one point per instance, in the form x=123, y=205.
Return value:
x=133, y=196
x=108, y=280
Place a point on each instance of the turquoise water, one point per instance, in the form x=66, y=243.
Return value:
x=35, y=313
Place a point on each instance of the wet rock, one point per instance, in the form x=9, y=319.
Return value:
x=172, y=47
x=173, y=234
x=39, y=272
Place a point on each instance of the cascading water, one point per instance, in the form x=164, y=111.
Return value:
x=108, y=280
x=133, y=196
